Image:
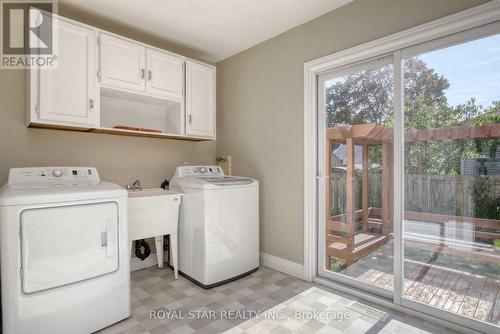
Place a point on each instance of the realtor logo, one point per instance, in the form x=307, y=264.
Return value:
x=28, y=36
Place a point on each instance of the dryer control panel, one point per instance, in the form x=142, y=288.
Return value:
x=38, y=177
x=183, y=171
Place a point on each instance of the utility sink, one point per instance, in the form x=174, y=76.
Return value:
x=154, y=213
x=151, y=192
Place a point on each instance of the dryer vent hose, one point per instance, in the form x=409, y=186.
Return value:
x=142, y=249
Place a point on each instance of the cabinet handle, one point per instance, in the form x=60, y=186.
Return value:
x=149, y=75
x=190, y=118
x=142, y=73
x=91, y=104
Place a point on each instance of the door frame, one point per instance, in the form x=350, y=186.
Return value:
x=322, y=176
x=452, y=29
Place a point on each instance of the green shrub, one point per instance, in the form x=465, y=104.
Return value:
x=338, y=264
x=485, y=204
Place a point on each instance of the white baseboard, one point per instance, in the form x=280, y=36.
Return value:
x=151, y=260
x=285, y=266
x=277, y=263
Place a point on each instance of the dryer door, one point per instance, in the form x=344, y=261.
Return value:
x=68, y=244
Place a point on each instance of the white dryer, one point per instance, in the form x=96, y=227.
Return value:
x=219, y=225
x=64, y=251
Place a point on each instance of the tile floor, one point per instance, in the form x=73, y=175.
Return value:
x=161, y=304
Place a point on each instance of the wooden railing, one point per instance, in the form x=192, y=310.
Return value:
x=335, y=224
x=475, y=222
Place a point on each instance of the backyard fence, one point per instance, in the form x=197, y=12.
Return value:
x=439, y=194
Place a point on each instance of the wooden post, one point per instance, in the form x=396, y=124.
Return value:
x=328, y=175
x=364, y=187
x=350, y=197
x=385, y=187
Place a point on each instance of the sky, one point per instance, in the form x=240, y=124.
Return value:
x=472, y=68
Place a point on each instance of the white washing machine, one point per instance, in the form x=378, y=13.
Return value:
x=219, y=225
x=64, y=251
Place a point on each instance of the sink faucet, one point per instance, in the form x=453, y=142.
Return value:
x=135, y=186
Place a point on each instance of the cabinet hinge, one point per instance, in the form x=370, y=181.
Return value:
x=21, y=272
x=37, y=109
x=99, y=74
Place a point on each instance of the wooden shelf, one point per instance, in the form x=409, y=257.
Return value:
x=122, y=132
x=119, y=132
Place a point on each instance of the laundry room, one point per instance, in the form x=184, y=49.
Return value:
x=249, y=166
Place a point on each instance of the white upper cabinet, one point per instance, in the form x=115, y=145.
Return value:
x=131, y=66
x=66, y=95
x=164, y=74
x=122, y=63
x=200, y=99
x=107, y=83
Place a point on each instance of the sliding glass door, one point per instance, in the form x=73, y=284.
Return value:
x=356, y=212
x=452, y=178
x=409, y=177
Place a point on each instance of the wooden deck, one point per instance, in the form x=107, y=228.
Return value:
x=470, y=294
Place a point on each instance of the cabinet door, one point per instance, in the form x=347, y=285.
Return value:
x=66, y=94
x=122, y=63
x=200, y=100
x=164, y=75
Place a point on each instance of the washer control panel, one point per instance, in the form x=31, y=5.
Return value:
x=38, y=177
x=199, y=170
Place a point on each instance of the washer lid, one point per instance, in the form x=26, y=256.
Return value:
x=59, y=193
x=215, y=182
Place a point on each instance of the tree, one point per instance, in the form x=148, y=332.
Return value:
x=367, y=97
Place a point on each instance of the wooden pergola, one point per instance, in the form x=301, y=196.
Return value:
x=344, y=241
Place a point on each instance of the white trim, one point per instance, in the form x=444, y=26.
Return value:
x=151, y=260
x=388, y=304
x=398, y=157
x=310, y=170
x=465, y=20
x=453, y=39
x=322, y=178
x=283, y=265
